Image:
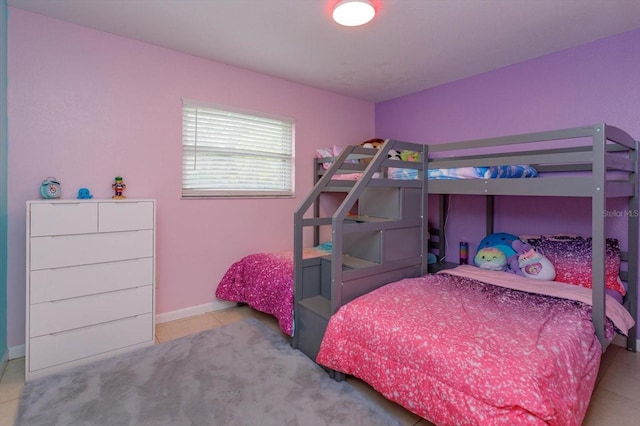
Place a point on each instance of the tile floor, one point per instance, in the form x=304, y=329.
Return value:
x=616, y=399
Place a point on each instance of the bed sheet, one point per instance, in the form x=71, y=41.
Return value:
x=264, y=281
x=466, y=352
x=493, y=172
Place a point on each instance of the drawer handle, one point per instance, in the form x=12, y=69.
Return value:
x=71, y=330
x=124, y=290
x=132, y=260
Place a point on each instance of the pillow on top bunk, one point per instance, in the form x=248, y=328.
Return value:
x=512, y=171
x=328, y=153
x=571, y=258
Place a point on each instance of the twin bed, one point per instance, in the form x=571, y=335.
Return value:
x=264, y=281
x=465, y=345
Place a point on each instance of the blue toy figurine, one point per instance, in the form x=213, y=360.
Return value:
x=84, y=194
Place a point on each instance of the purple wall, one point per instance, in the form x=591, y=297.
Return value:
x=588, y=84
x=596, y=82
x=85, y=106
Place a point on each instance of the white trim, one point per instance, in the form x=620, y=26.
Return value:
x=16, y=352
x=19, y=350
x=621, y=341
x=192, y=311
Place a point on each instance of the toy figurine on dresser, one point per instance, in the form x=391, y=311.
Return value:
x=119, y=186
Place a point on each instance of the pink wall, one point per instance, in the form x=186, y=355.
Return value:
x=588, y=84
x=85, y=106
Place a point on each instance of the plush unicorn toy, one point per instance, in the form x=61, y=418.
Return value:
x=535, y=265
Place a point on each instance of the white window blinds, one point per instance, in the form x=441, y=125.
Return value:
x=232, y=154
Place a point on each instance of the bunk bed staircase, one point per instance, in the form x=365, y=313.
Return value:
x=378, y=231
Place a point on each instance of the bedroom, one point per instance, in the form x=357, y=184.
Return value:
x=62, y=66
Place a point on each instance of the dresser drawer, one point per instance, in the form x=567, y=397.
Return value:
x=74, y=281
x=63, y=218
x=53, y=317
x=73, y=250
x=54, y=349
x=125, y=216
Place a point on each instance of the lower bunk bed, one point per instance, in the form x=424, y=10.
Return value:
x=477, y=347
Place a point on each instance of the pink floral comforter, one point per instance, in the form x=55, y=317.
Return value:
x=458, y=351
x=264, y=281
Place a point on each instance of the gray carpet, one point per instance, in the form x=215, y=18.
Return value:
x=239, y=374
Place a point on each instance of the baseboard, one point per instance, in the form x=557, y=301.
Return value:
x=192, y=311
x=16, y=352
x=621, y=341
x=19, y=351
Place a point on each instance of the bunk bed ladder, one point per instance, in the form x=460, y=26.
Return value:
x=360, y=244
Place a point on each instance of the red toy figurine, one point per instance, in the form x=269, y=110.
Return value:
x=119, y=186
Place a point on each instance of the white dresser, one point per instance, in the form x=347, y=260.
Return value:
x=90, y=281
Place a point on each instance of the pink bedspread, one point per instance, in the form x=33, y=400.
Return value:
x=457, y=351
x=264, y=281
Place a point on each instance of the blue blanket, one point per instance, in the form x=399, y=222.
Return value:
x=493, y=172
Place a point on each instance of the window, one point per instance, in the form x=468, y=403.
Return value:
x=227, y=153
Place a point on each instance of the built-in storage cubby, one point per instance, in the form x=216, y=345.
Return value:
x=90, y=281
x=363, y=245
x=378, y=234
x=314, y=305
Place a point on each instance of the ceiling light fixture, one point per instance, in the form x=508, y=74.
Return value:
x=352, y=13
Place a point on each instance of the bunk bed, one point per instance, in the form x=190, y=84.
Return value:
x=373, y=312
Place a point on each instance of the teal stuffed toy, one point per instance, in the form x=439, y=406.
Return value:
x=491, y=258
x=495, y=252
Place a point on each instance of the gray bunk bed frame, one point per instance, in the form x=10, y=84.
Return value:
x=601, y=166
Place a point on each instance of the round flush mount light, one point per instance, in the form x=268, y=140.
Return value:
x=352, y=13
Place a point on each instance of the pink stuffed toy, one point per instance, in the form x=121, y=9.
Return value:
x=535, y=265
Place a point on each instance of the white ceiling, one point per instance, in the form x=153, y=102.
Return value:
x=411, y=45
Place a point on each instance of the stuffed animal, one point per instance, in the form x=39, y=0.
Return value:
x=491, y=258
x=410, y=155
x=500, y=241
x=535, y=265
x=519, y=247
x=394, y=155
x=371, y=143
